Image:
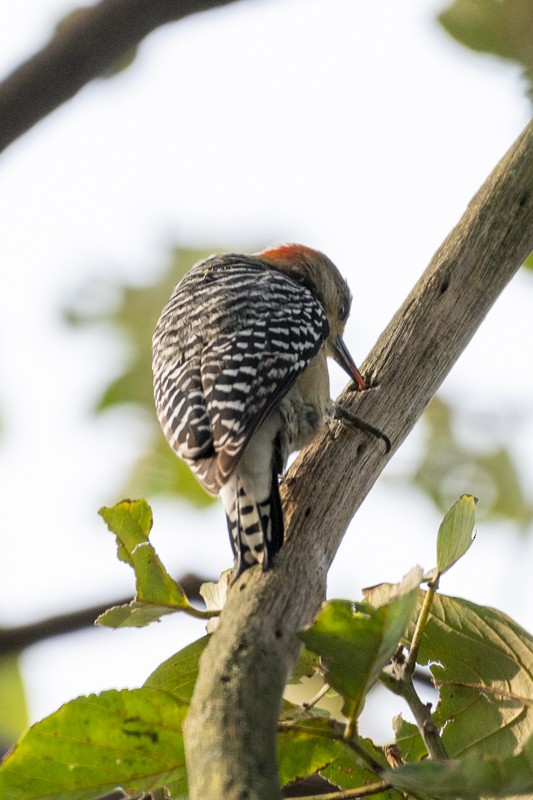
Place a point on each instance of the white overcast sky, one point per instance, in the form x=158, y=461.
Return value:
x=358, y=128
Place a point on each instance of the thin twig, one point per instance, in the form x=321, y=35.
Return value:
x=199, y=613
x=350, y=729
x=399, y=680
x=318, y=696
x=410, y=662
x=402, y=672
x=349, y=794
x=426, y=726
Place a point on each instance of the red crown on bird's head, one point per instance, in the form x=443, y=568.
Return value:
x=287, y=252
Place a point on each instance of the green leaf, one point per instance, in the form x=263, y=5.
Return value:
x=92, y=745
x=304, y=752
x=348, y=772
x=355, y=641
x=456, y=532
x=14, y=716
x=177, y=675
x=481, y=661
x=482, y=25
x=408, y=739
x=134, y=615
x=384, y=593
x=528, y=263
x=469, y=778
x=307, y=665
x=311, y=748
x=157, y=592
x=502, y=28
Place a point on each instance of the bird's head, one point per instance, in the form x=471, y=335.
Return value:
x=320, y=275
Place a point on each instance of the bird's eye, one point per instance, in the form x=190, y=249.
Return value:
x=344, y=310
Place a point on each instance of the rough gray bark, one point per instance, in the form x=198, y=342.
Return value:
x=92, y=42
x=231, y=727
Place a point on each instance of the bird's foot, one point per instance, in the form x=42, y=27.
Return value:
x=353, y=421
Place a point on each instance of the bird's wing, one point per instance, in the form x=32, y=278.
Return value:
x=250, y=333
x=272, y=328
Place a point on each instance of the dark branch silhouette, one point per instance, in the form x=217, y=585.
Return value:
x=16, y=639
x=91, y=42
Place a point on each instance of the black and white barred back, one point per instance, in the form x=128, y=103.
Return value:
x=229, y=345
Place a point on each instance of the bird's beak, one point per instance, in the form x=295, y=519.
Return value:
x=342, y=356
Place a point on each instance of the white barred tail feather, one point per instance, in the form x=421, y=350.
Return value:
x=255, y=528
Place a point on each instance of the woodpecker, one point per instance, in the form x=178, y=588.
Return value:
x=241, y=380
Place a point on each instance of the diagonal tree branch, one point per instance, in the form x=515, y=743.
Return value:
x=93, y=41
x=230, y=729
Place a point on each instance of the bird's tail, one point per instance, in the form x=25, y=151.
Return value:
x=255, y=527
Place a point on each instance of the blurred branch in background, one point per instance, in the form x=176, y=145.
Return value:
x=87, y=44
x=13, y=640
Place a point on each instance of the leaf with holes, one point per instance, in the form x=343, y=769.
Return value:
x=481, y=663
